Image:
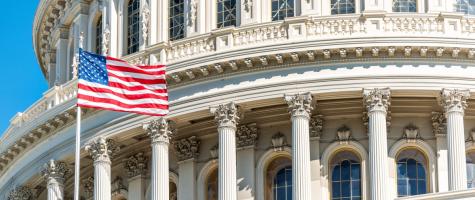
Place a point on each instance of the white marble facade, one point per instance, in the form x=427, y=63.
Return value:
x=269, y=99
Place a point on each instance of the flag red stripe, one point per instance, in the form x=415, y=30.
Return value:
x=121, y=104
x=124, y=110
x=135, y=88
x=133, y=70
x=123, y=95
x=138, y=80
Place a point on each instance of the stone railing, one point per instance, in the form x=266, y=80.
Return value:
x=453, y=195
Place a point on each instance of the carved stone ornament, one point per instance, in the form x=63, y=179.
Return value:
x=454, y=100
x=88, y=185
x=106, y=40
x=173, y=196
x=145, y=18
x=193, y=12
x=411, y=133
x=21, y=193
x=187, y=148
x=226, y=115
x=439, y=123
x=214, y=151
x=300, y=105
x=56, y=171
x=136, y=165
x=118, y=187
x=343, y=134
x=102, y=149
x=377, y=99
x=278, y=141
x=316, y=126
x=160, y=130
x=248, y=5
x=246, y=136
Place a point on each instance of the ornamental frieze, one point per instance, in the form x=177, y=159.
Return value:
x=187, y=148
x=246, y=136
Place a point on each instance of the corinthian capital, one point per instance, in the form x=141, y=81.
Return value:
x=136, y=165
x=56, y=171
x=160, y=130
x=438, y=124
x=300, y=105
x=377, y=99
x=187, y=148
x=21, y=193
x=454, y=100
x=246, y=135
x=226, y=115
x=102, y=149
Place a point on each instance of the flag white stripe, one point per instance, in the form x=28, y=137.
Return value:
x=116, y=107
x=132, y=84
x=122, y=100
x=124, y=64
x=120, y=90
x=135, y=75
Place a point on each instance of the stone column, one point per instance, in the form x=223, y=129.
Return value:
x=439, y=127
x=160, y=132
x=55, y=173
x=187, y=151
x=227, y=118
x=246, y=137
x=454, y=103
x=300, y=108
x=316, y=128
x=377, y=102
x=158, y=21
x=136, y=167
x=101, y=151
x=20, y=193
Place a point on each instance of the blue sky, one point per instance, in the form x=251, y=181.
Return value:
x=21, y=82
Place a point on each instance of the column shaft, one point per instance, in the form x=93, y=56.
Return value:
x=160, y=176
x=55, y=190
x=301, y=158
x=102, y=180
x=456, y=153
x=378, y=155
x=227, y=164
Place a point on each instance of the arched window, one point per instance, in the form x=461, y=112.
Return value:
x=282, y=9
x=404, y=6
x=345, y=170
x=279, y=179
x=342, y=7
x=99, y=35
x=411, y=173
x=177, y=19
x=133, y=26
x=465, y=6
x=212, y=185
x=471, y=169
x=226, y=13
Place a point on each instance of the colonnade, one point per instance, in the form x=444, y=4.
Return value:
x=377, y=104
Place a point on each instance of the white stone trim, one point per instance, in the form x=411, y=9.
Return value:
x=329, y=153
x=420, y=145
x=264, y=160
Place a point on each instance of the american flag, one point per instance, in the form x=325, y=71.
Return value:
x=113, y=84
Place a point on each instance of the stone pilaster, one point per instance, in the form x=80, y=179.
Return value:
x=160, y=132
x=187, y=151
x=101, y=151
x=439, y=127
x=136, y=168
x=227, y=118
x=454, y=103
x=377, y=102
x=246, y=139
x=300, y=108
x=55, y=173
x=21, y=193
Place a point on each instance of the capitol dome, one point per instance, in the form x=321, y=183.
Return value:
x=269, y=100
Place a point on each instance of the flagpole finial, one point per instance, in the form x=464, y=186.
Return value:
x=81, y=39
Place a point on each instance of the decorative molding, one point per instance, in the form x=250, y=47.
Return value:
x=279, y=141
x=193, y=12
x=187, y=148
x=439, y=124
x=411, y=133
x=145, y=19
x=106, y=40
x=300, y=105
x=102, y=149
x=454, y=100
x=56, y=171
x=343, y=134
x=160, y=130
x=21, y=193
x=88, y=185
x=118, y=188
x=136, y=165
x=246, y=136
x=316, y=126
x=226, y=115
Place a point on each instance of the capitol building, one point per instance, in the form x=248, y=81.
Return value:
x=269, y=100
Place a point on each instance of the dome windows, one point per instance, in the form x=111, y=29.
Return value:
x=342, y=7
x=133, y=26
x=404, y=6
x=226, y=13
x=282, y=9
x=177, y=19
x=99, y=35
x=345, y=174
x=465, y=6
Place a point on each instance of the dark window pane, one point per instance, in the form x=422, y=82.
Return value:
x=355, y=171
x=402, y=188
x=346, y=189
x=356, y=188
x=412, y=187
x=421, y=187
x=336, y=189
x=342, y=7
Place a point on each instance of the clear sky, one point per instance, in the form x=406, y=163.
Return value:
x=21, y=81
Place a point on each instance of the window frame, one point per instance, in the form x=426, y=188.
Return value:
x=426, y=166
x=470, y=9
x=331, y=168
x=172, y=18
x=355, y=8
x=294, y=9
x=416, y=9
x=222, y=24
x=135, y=47
x=98, y=34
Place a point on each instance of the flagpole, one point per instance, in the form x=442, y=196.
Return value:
x=77, y=156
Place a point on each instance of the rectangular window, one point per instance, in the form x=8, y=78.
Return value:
x=177, y=19
x=133, y=26
x=282, y=9
x=226, y=13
